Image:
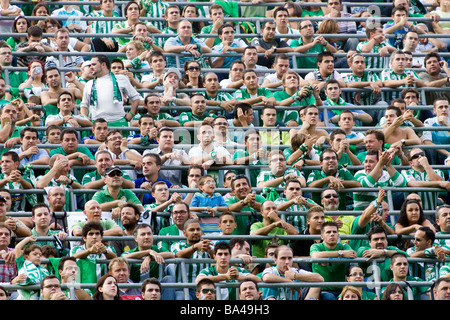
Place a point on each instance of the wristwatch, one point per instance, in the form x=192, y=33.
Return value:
x=341, y=253
x=403, y=141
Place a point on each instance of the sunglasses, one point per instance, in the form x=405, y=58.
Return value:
x=193, y=68
x=328, y=196
x=115, y=174
x=205, y=291
x=420, y=154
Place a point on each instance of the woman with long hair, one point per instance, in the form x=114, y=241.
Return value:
x=107, y=288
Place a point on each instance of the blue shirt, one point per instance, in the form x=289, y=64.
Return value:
x=175, y=41
x=147, y=197
x=33, y=157
x=208, y=224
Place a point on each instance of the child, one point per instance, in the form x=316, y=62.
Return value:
x=163, y=203
x=30, y=270
x=227, y=223
x=208, y=201
x=148, y=132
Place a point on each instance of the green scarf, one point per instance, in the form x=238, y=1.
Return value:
x=117, y=94
x=341, y=102
x=35, y=274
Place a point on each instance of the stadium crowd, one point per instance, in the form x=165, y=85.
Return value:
x=215, y=146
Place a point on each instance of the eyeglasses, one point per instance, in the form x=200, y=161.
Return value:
x=205, y=291
x=328, y=196
x=179, y=212
x=356, y=274
x=419, y=154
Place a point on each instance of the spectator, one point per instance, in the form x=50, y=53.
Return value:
x=28, y=151
x=151, y=289
x=63, y=45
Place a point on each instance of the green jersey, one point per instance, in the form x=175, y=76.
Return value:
x=243, y=221
x=389, y=74
x=192, y=269
x=366, y=98
x=375, y=62
x=225, y=293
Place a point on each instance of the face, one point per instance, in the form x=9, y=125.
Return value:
x=11, y=111
x=411, y=40
x=153, y=105
x=432, y=65
x=372, y=143
x=326, y=67
x=413, y=212
x=236, y=71
x=268, y=32
x=152, y=292
x=161, y=193
x=333, y=91
x=116, y=68
x=133, y=11
x=306, y=29
x=399, y=63
x=269, y=117
x=172, y=15
x=190, y=12
x=222, y=257
x=57, y=198
x=293, y=190
x=227, y=224
x=65, y=103
x=444, y=219
x=29, y=140
x=41, y=217
x=180, y=214
x=356, y=275
x=193, y=232
x=390, y=116
x=269, y=208
x=211, y=83
x=330, y=162
x=282, y=66
x=8, y=165
x=442, y=292
x=21, y=26
x=227, y=35
x=198, y=105
x=194, y=175
x=51, y=286
x=166, y=140
x=35, y=257
x=441, y=108
x=378, y=241
x=312, y=116
x=54, y=136
x=346, y=121
x=184, y=29
x=93, y=211
x=109, y=288
x=251, y=80
x=205, y=135
x=241, y=188
x=350, y=295
x=397, y=294
x=207, y=292
x=248, y=291
x=330, y=235
x=62, y=40
x=158, y=63
x=131, y=51
x=140, y=30
x=70, y=143
x=107, y=5
x=53, y=78
x=208, y=186
x=253, y=142
x=93, y=236
x=400, y=267
x=5, y=237
x=69, y=272
x=284, y=260
x=282, y=18
x=277, y=164
x=358, y=64
x=145, y=125
x=250, y=57
x=120, y=272
x=399, y=15
x=128, y=217
x=330, y=200
x=420, y=241
x=96, y=67
x=415, y=155
x=216, y=14
x=334, y=4
x=315, y=221
x=369, y=163
x=5, y=56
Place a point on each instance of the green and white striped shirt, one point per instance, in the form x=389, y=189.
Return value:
x=366, y=98
x=362, y=200
x=192, y=269
x=155, y=9
x=389, y=74
x=375, y=62
x=429, y=198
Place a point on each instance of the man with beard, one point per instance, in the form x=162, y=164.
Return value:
x=129, y=218
x=194, y=247
x=330, y=202
x=283, y=271
x=271, y=225
x=331, y=176
x=436, y=69
x=214, y=97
